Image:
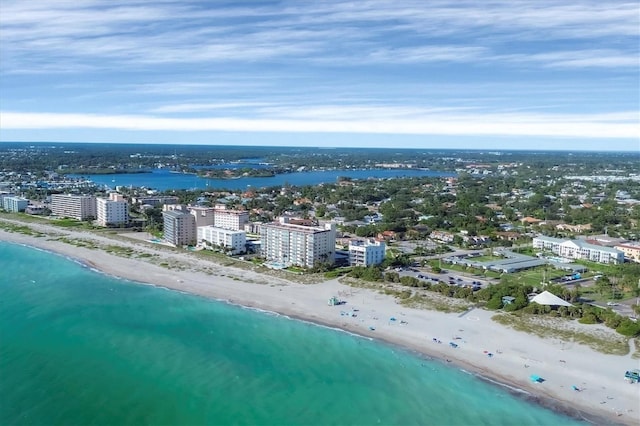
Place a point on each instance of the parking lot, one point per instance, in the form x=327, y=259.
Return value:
x=451, y=278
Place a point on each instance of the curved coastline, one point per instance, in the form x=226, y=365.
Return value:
x=494, y=380
x=100, y=263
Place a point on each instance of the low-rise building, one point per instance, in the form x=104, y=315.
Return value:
x=229, y=240
x=35, y=209
x=578, y=249
x=631, y=251
x=157, y=200
x=574, y=228
x=366, y=252
x=445, y=237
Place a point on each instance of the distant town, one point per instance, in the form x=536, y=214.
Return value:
x=494, y=227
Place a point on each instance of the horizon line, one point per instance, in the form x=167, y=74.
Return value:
x=329, y=147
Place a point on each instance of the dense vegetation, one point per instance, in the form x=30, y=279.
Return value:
x=491, y=297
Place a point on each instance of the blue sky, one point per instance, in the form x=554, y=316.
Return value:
x=540, y=74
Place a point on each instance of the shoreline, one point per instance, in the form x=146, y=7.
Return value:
x=305, y=302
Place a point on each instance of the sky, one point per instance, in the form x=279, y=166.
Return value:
x=539, y=74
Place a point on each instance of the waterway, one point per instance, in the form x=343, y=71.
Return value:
x=162, y=179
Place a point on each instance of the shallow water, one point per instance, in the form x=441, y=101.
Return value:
x=79, y=347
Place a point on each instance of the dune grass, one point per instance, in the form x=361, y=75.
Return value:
x=606, y=343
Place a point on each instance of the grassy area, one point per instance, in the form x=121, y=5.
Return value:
x=77, y=242
x=529, y=251
x=407, y=297
x=462, y=268
x=119, y=250
x=598, y=268
x=535, y=276
x=20, y=229
x=601, y=342
x=592, y=293
x=23, y=217
x=69, y=223
x=636, y=354
x=435, y=302
x=371, y=285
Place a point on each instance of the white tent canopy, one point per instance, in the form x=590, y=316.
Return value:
x=546, y=298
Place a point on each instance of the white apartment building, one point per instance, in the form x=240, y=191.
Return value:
x=366, y=252
x=112, y=211
x=231, y=219
x=3, y=195
x=234, y=241
x=179, y=228
x=15, y=204
x=80, y=207
x=286, y=244
x=578, y=249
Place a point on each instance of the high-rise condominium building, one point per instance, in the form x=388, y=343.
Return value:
x=80, y=207
x=230, y=219
x=286, y=244
x=179, y=228
x=204, y=215
x=112, y=211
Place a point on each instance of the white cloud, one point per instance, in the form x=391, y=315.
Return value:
x=107, y=34
x=584, y=126
x=371, y=66
x=199, y=107
x=591, y=58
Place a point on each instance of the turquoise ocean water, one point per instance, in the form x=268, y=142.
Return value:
x=78, y=347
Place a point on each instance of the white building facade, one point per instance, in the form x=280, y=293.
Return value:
x=15, y=204
x=233, y=241
x=366, y=252
x=230, y=219
x=80, y=207
x=112, y=211
x=578, y=249
x=286, y=244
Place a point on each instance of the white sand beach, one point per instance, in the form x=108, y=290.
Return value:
x=603, y=394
